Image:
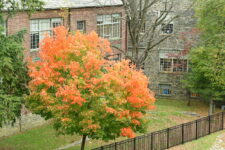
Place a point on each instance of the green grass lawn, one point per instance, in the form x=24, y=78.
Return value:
x=41, y=138
x=204, y=143
x=168, y=113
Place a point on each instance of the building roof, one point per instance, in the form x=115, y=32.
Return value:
x=55, y=4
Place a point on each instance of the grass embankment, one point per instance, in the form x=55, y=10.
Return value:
x=168, y=113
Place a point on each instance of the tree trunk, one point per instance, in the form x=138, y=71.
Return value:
x=211, y=105
x=83, y=142
x=189, y=101
x=189, y=98
x=20, y=123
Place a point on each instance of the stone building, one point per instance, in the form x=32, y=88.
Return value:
x=163, y=66
x=102, y=16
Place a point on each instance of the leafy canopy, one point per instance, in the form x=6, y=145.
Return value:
x=84, y=93
x=13, y=76
x=13, y=71
x=208, y=59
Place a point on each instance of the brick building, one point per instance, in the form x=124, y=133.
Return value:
x=102, y=16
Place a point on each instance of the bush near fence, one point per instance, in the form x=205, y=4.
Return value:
x=172, y=136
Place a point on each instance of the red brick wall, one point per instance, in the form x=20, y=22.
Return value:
x=22, y=21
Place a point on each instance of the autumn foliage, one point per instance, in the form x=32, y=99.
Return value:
x=83, y=92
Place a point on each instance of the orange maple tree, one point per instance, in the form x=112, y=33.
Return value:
x=83, y=92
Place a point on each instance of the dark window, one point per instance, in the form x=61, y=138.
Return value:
x=81, y=26
x=167, y=28
x=34, y=43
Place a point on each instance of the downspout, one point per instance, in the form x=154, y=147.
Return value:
x=69, y=19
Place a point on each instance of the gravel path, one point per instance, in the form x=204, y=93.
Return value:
x=220, y=143
x=72, y=144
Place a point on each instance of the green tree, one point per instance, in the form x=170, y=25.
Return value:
x=207, y=76
x=13, y=71
x=13, y=74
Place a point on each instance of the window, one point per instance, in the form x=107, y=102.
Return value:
x=36, y=59
x=194, y=95
x=180, y=65
x=39, y=27
x=108, y=26
x=167, y=28
x=164, y=89
x=81, y=26
x=165, y=64
x=114, y=57
x=171, y=63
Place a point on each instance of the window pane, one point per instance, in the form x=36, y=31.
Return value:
x=34, y=43
x=116, y=18
x=44, y=25
x=99, y=19
x=108, y=26
x=34, y=25
x=43, y=34
x=107, y=19
x=179, y=65
x=165, y=64
x=168, y=29
x=56, y=22
x=107, y=31
x=81, y=25
x=100, y=30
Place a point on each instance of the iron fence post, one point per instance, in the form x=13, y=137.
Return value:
x=168, y=137
x=135, y=143
x=115, y=145
x=209, y=124
x=152, y=141
x=222, y=120
x=182, y=133
x=196, y=129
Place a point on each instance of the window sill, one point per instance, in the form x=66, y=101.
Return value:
x=34, y=50
x=165, y=95
x=114, y=39
x=165, y=34
x=168, y=72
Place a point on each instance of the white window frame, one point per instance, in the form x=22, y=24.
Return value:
x=42, y=29
x=164, y=55
x=108, y=19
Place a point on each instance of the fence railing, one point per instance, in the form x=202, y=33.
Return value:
x=172, y=136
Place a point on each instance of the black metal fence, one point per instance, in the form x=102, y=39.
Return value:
x=173, y=136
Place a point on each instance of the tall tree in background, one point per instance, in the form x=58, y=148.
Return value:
x=13, y=71
x=207, y=77
x=85, y=94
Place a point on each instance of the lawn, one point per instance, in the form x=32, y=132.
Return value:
x=168, y=113
x=41, y=138
x=204, y=143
